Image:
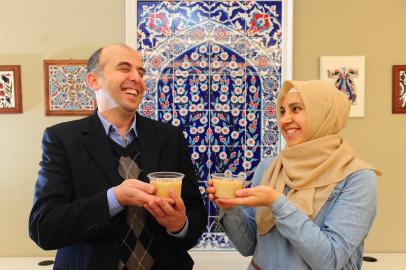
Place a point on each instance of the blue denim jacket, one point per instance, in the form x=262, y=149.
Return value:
x=333, y=240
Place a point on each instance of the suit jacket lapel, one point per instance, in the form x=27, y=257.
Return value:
x=150, y=141
x=99, y=147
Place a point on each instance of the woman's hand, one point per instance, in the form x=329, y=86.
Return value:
x=253, y=197
x=211, y=190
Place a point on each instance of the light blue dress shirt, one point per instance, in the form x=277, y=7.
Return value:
x=333, y=240
x=124, y=141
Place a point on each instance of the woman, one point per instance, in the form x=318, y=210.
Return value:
x=315, y=201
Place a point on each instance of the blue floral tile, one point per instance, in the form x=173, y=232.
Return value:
x=254, y=91
x=191, y=92
x=214, y=241
x=190, y=38
x=264, y=21
x=148, y=106
x=269, y=108
x=252, y=159
x=165, y=93
x=228, y=128
x=231, y=14
x=253, y=128
x=193, y=61
x=227, y=92
x=194, y=124
x=227, y=159
x=242, y=46
x=156, y=61
x=166, y=116
x=224, y=60
x=187, y=14
x=201, y=160
x=270, y=135
x=177, y=46
x=270, y=85
x=154, y=23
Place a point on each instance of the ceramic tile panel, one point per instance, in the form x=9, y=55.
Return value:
x=228, y=127
x=213, y=68
x=195, y=125
x=201, y=161
x=252, y=159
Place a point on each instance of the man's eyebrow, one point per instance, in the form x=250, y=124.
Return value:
x=124, y=64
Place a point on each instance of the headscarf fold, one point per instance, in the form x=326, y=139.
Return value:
x=313, y=168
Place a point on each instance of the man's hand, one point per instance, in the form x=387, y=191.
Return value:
x=172, y=216
x=134, y=192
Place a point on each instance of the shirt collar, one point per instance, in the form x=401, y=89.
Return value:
x=109, y=126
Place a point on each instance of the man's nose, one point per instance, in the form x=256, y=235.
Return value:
x=135, y=76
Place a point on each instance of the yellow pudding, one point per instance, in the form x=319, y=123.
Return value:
x=163, y=186
x=226, y=187
x=165, y=182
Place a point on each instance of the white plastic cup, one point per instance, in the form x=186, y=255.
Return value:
x=165, y=182
x=227, y=184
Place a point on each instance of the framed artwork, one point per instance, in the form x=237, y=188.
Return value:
x=10, y=89
x=214, y=69
x=399, y=89
x=347, y=73
x=66, y=90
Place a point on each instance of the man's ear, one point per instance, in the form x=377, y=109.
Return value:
x=93, y=81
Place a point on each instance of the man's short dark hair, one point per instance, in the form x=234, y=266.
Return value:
x=93, y=62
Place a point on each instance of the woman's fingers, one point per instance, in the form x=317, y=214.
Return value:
x=244, y=192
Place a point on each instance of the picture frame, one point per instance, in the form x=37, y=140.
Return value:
x=399, y=89
x=66, y=89
x=347, y=73
x=10, y=89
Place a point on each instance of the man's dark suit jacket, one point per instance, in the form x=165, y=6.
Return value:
x=71, y=213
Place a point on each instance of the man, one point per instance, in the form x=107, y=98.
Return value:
x=92, y=199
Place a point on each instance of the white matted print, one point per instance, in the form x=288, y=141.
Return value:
x=347, y=73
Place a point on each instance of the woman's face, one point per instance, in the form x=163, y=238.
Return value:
x=293, y=120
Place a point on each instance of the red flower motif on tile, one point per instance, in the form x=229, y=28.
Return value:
x=270, y=110
x=259, y=22
x=262, y=61
x=148, y=110
x=160, y=23
x=221, y=33
x=156, y=61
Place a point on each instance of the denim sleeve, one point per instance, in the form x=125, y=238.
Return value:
x=241, y=229
x=239, y=222
x=347, y=223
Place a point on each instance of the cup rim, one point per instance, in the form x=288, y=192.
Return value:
x=173, y=176
x=228, y=176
